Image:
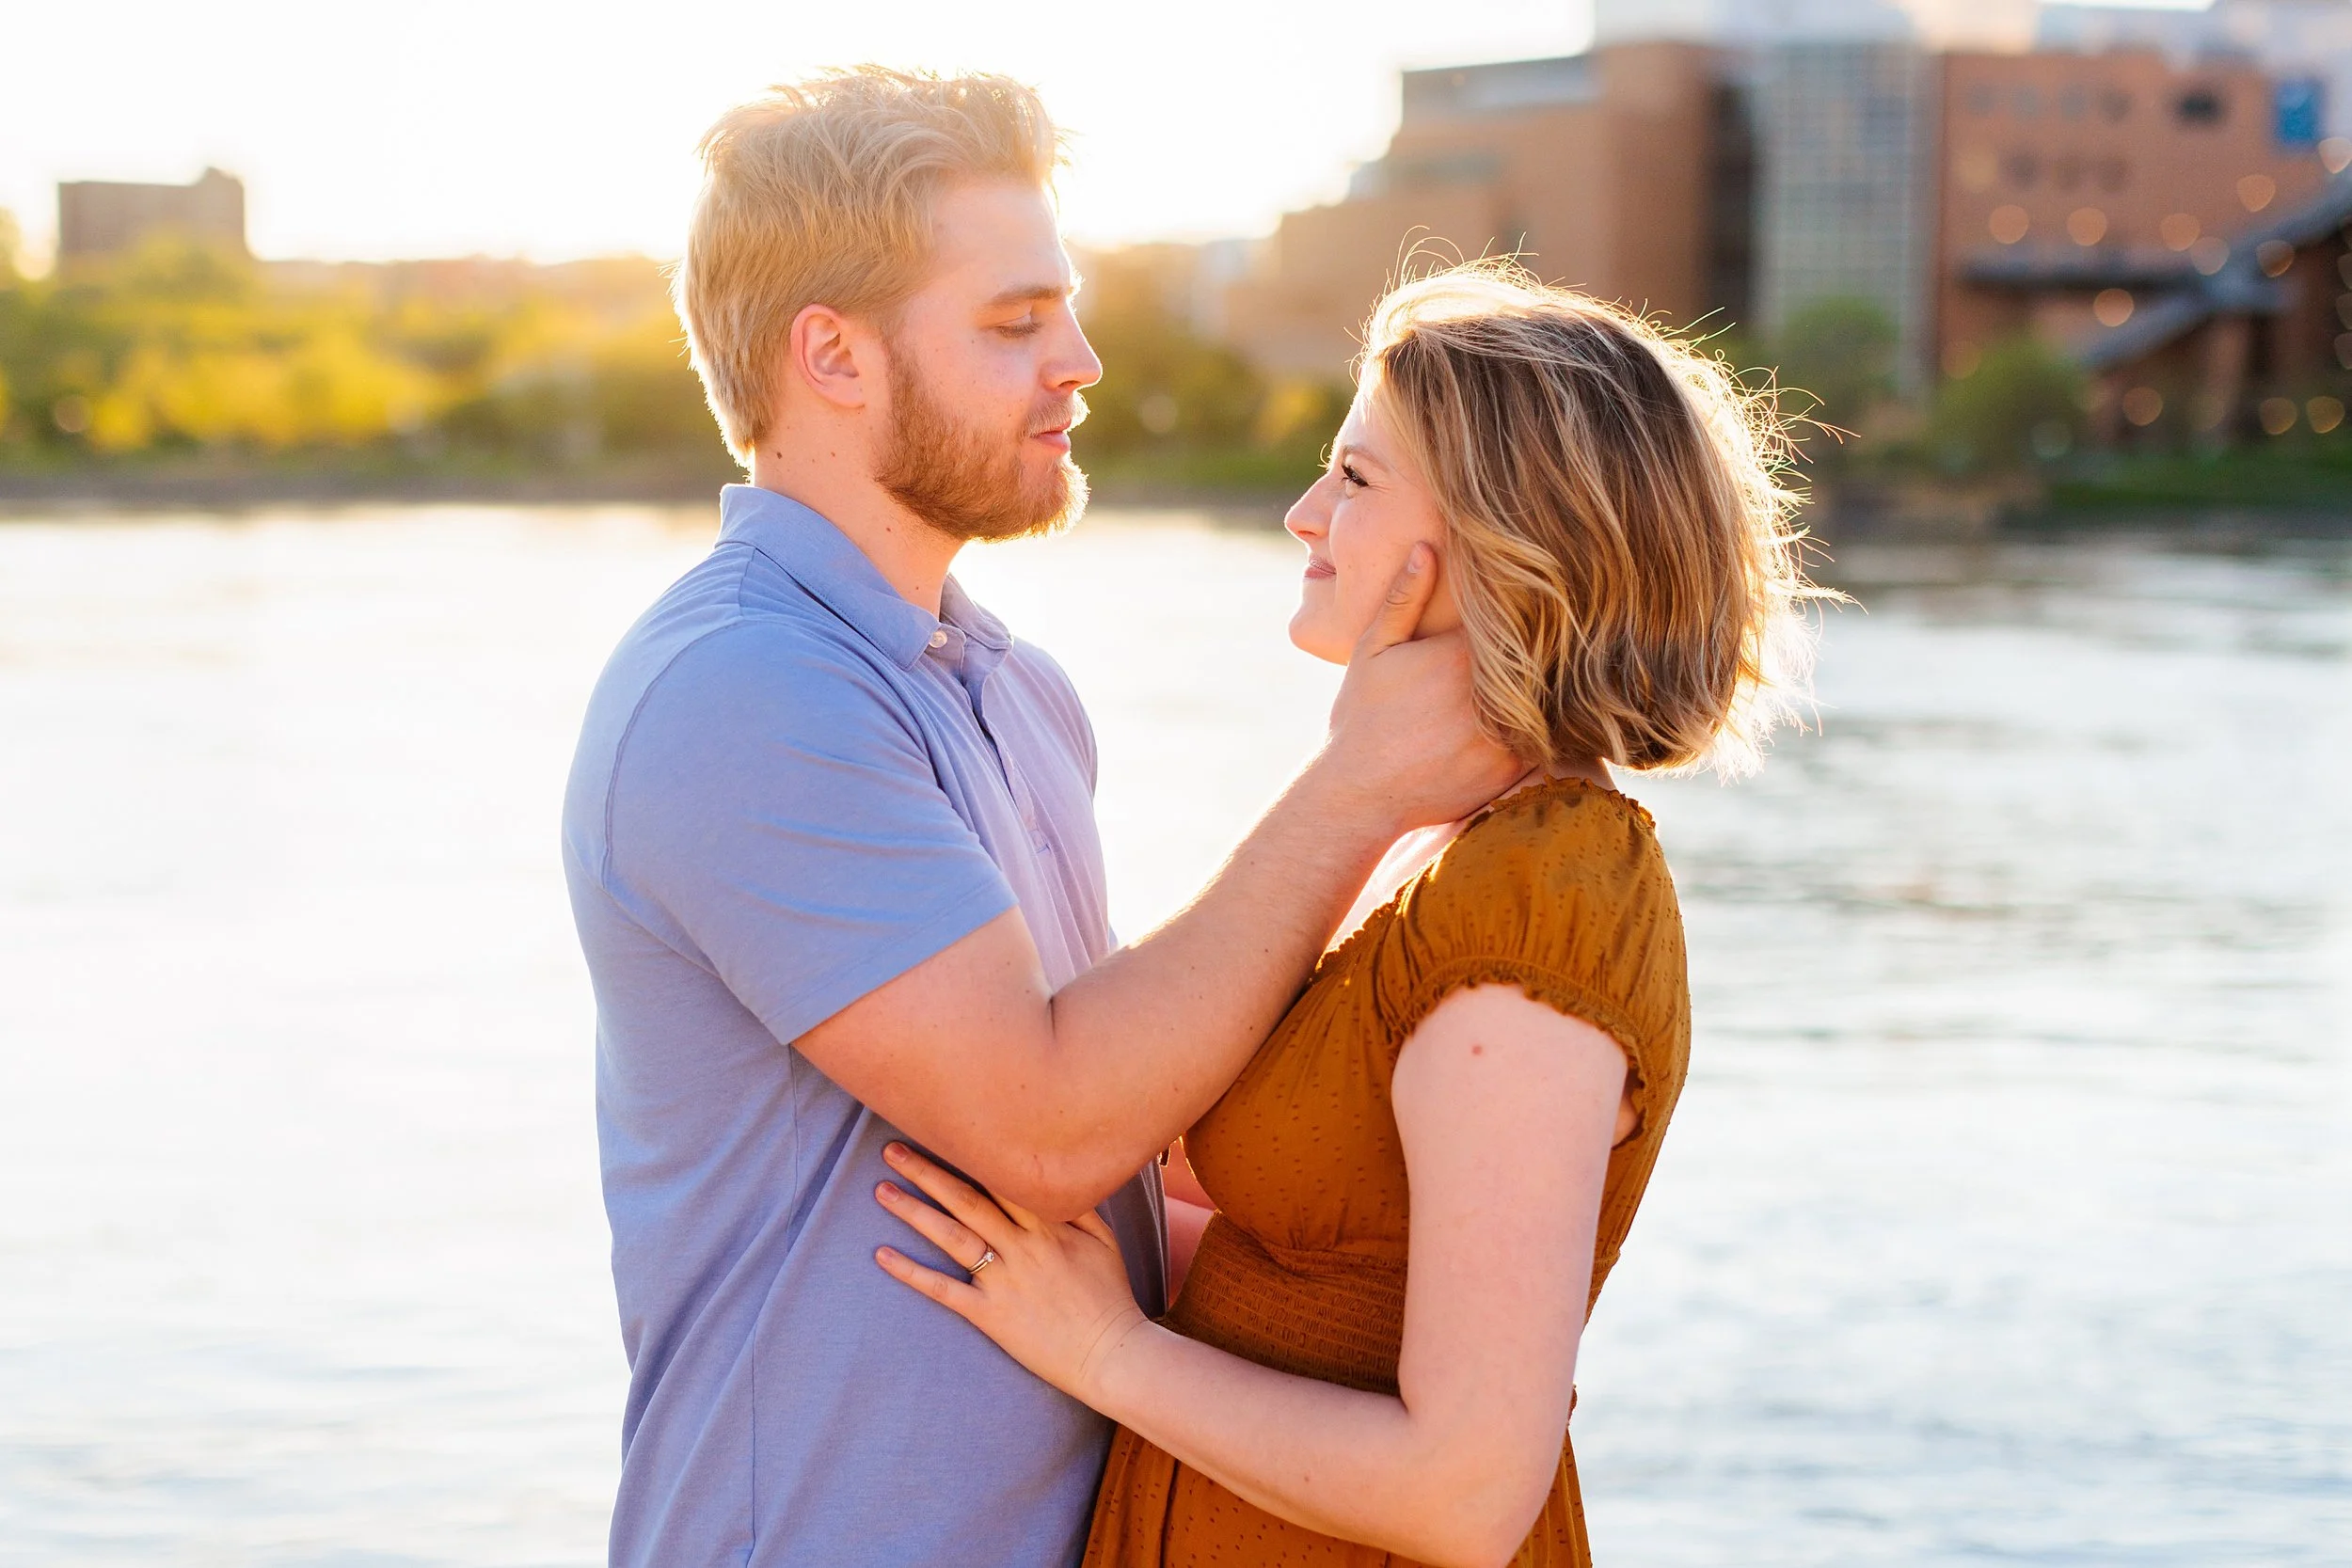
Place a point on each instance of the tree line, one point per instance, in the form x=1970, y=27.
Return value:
x=176, y=353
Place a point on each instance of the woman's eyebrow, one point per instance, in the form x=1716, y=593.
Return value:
x=1352, y=453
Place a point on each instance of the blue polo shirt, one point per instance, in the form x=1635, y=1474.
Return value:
x=792, y=785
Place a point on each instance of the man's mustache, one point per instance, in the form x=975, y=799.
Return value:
x=1065, y=416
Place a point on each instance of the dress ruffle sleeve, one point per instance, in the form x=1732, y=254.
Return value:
x=1567, y=898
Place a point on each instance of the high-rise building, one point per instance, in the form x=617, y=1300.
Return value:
x=1845, y=133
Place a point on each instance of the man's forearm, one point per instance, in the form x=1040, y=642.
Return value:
x=1152, y=1036
x=1053, y=1099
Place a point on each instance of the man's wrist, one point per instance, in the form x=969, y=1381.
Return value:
x=1345, y=813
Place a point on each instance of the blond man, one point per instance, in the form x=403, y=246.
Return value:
x=831, y=847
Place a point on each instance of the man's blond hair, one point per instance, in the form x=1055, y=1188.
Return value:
x=819, y=193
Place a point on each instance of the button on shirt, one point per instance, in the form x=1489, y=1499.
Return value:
x=792, y=787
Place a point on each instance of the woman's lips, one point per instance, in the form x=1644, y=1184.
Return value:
x=1318, y=567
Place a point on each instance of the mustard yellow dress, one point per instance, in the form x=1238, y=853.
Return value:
x=1560, y=890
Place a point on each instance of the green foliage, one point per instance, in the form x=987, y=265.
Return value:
x=2024, y=402
x=2301, y=472
x=2022, y=417
x=178, y=348
x=1162, y=383
x=1834, y=361
x=1175, y=407
x=178, y=351
x=643, y=394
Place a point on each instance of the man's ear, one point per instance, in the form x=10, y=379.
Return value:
x=834, y=357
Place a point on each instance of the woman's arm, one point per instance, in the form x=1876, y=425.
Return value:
x=1507, y=1110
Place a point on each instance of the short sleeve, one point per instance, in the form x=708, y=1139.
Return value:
x=1566, y=896
x=774, y=816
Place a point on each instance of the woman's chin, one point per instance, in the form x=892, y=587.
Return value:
x=1309, y=636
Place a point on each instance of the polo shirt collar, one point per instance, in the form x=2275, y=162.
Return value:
x=822, y=559
x=959, y=609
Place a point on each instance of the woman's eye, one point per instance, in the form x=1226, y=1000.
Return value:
x=1349, y=475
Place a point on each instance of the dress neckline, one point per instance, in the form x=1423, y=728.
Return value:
x=1543, y=790
x=1382, y=913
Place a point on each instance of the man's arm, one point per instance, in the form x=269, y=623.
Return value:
x=1053, y=1099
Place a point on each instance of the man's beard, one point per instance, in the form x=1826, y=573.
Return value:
x=961, y=482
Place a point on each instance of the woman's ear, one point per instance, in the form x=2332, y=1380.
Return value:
x=1443, y=612
x=832, y=357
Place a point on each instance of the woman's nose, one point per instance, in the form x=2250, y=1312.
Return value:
x=1310, y=515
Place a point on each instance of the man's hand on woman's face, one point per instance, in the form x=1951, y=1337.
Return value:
x=1406, y=741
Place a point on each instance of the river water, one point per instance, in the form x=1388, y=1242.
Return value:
x=2008, y=1217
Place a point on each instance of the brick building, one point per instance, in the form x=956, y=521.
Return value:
x=2175, y=225
x=1585, y=163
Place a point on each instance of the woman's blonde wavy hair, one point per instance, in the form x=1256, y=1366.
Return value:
x=1618, y=536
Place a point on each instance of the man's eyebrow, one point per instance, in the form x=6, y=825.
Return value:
x=1031, y=294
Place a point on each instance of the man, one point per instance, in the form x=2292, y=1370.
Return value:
x=830, y=844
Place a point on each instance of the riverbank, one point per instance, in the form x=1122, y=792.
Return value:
x=1242, y=499
x=2258, y=489
x=202, y=485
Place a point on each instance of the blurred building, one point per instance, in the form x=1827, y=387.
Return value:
x=1844, y=196
x=1190, y=282
x=1592, y=164
x=2140, y=188
x=2166, y=217
x=2290, y=40
x=1724, y=161
x=107, y=217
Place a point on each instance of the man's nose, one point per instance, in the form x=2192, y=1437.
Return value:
x=1083, y=367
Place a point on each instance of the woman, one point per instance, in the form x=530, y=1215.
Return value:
x=1502, y=1036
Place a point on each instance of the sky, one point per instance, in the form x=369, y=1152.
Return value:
x=371, y=130
x=367, y=130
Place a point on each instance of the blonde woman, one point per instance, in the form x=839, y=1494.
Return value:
x=1424, y=1176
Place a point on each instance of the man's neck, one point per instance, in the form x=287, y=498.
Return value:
x=912, y=556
